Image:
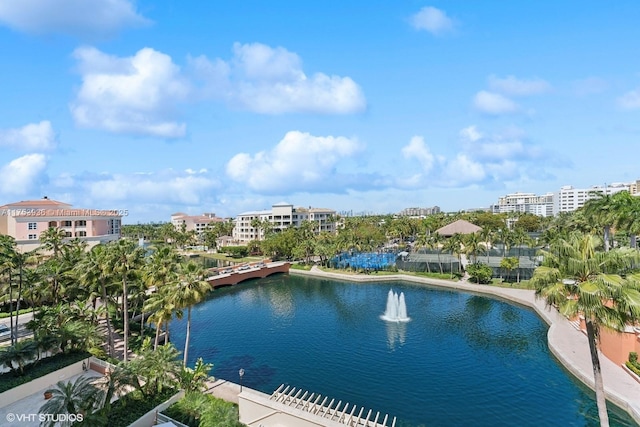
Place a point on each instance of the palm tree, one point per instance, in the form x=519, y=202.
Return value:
x=20, y=353
x=125, y=260
x=601, y=211
x=473, y=245
x=454, y=245
x=195, y=379
x=192, y=289
x=578, y=279
x=627, y=215
x=52, y=240
x=162, y=305
x=158, y=368
x=94, y=272
x=520, y=239
x=67, y=398
x=435, y=241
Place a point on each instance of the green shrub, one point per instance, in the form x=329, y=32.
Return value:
x=41, y=368
x=133, y=405
x=479, y=273
x=634, y=368
x=237, y=251
x=203, y=410
x=633, y=357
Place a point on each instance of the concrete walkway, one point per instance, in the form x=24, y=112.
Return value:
x=568, y=344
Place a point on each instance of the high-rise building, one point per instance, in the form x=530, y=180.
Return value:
x=541, y=205
x=569, y=199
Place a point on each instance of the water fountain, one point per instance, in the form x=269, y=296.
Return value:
x=396, y=308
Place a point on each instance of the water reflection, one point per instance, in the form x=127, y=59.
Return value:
x=396, y=334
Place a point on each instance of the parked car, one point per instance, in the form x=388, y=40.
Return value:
x=243, y=267
x=5, y=332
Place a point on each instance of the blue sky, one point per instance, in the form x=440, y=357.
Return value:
x=224, y=107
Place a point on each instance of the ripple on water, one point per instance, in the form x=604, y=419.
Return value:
x=462, y=360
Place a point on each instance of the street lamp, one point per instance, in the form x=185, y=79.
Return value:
x=241, y=373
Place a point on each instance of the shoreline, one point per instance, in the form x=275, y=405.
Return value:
x=565, y=342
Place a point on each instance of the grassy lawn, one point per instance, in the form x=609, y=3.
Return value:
x=524, y=284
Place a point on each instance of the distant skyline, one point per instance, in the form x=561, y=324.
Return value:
x=225, y=107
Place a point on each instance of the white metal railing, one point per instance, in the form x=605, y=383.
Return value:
x=312, y=403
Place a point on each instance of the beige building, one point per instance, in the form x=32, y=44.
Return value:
x=197, y=223
x=278, y=218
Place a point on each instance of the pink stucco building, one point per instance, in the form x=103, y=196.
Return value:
x=25, y=220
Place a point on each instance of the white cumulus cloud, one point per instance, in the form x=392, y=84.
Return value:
x=494, y=103
x=31, y=137
x=270, y=80
x=299, y=162
x=417, y=149
x=168, y=186
x=432, y=20
x=484, y=159
x=74, y=17
x=513, y=86
x=22, y=174
x=630, y=100
x=132, y=95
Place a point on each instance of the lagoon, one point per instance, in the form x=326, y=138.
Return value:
x=463, y=359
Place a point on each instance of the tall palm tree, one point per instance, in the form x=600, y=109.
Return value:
x=192, y=289
x=601, y=210
x=473, y=245
x=435, y=241
x=453, y=244
x=94, y=272
x=579, y=279
x=520, y=238
x=125, y=260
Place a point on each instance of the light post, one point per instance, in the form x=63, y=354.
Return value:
x=241, y=373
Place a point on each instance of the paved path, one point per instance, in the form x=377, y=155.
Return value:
x=568, y=344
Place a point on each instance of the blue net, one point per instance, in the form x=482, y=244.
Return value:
x=367, y=260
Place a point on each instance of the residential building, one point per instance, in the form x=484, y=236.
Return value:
x=419, y=212
x=281, y=216
x=569, y=199
x=26, y=220
x=197, y=223
x=541, y=205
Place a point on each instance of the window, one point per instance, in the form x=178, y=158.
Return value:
x=33, y=226
x=33, y=237
x=66, y=223
x=81, y=234
x=67, y=234
x=81, y=223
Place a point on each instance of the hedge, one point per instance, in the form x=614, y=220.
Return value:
x=41, y=368
x=134, y=405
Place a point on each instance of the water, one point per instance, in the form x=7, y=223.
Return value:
x=212, y=262
x=462, y=360
x=396, y=308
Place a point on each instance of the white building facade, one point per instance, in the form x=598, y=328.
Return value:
x=525, y=203
x=569, y=199
x=279, y=217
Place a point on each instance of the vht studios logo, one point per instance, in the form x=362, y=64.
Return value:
x=56, y=418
